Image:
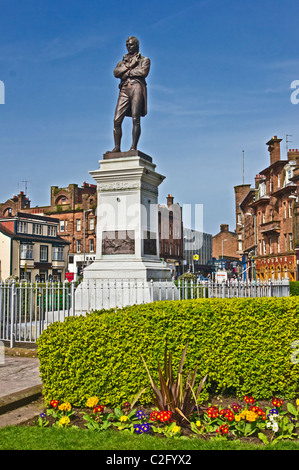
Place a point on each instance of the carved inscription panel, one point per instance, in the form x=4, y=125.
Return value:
x=118, y=242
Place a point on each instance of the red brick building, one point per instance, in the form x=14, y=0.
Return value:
x=171, y=234
x=266, y=216
x=19, y=203
x=224, y=244
x=75, y=208
x=241, y=192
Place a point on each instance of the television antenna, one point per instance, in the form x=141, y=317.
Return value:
x=287, y=141
x=26, y=185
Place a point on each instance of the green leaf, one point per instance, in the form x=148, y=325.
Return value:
x=156, y=391
x=291, y=409
x=194, y=428
x=118, y=413
x=132, y=413
x=263, y=438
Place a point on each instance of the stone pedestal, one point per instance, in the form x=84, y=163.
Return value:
x=127, y=254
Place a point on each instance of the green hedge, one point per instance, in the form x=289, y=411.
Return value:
x=294, y=288
x=244, y=345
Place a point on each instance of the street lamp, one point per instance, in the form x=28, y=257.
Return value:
x=225, y=240
x=184, y=251
x=252, y=257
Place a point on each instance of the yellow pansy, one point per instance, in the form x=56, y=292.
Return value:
x=176, y=429
x=64, y=421
x=65, y=407
x=92, y=401
x=123, y=418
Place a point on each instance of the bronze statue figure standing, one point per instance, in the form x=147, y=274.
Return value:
x=132, y=101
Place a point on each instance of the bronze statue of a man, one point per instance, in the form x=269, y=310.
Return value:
x=132, y=101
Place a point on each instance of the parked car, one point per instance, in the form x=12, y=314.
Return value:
x=202, y=278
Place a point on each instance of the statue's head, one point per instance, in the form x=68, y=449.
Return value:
x=132, y=44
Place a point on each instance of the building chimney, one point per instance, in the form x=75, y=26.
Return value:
x=257, y=179
x=224, y=227
x=293, y=154
x=274, y=149
x=169, y=200
x=241, y=192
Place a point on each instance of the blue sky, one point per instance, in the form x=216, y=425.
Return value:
x=220, y=79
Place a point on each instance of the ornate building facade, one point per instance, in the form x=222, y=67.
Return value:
x=267, y=217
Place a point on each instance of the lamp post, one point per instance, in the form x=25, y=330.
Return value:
x=184, y=238
x=225, y=240
x=251, y=258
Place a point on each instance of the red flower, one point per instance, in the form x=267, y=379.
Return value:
x=213, y=412
x=236, y=407
x=276, y=402
x=54, y=403
x=99, y=409
x=164, y=416
x=223, y=429
x=227, y=413
x=254, y=408
x=160, y=415
x=249, y=399
x=259, y=412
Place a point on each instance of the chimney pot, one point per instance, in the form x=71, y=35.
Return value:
x=224, y=227
x=169, y=200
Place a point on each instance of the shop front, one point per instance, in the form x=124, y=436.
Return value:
x=276, y=268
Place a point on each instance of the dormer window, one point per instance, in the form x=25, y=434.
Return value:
x=52, y=231
x=288, y=174
x=37, y=229
x=22, y=227
x=262, y=189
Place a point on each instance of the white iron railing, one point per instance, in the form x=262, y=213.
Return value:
x=26, y=309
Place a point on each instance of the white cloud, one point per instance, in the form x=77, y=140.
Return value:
x=55, y=49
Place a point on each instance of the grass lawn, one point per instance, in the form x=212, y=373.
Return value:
x=36, y=438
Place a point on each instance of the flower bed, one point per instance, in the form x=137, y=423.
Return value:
x=263, y=422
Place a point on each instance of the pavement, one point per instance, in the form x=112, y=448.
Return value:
x=20, y=387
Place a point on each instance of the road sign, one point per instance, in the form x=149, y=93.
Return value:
x=196, y=257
